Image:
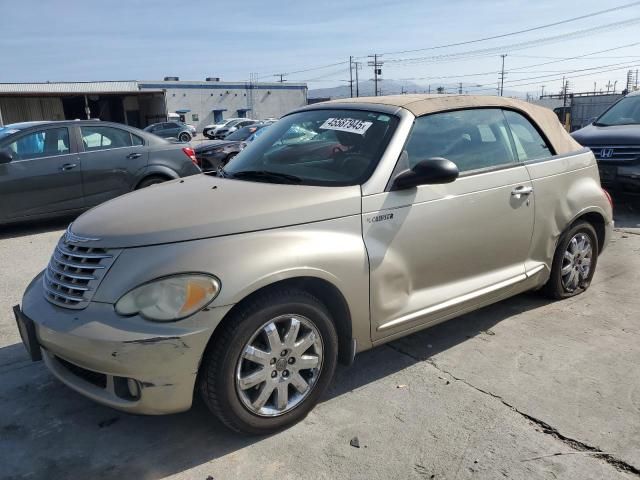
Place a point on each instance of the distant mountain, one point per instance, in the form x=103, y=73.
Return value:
x=393, y=87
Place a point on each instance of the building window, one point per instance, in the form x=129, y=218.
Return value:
x=217, y=117
x=194, y=117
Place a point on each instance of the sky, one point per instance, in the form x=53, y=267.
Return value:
x=72, y=40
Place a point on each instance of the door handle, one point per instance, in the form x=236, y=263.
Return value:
x=131, y=156
x=68, y=166
x=522, y=190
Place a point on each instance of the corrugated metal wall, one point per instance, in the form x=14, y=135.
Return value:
x=22, y=109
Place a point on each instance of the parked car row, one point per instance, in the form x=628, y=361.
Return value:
x=65, y=167
x=217, y=153
x=220, y=130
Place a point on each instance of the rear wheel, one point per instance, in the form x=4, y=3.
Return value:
x=270, y=363
x=574, y=262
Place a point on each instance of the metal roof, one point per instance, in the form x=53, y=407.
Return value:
x=70, y=87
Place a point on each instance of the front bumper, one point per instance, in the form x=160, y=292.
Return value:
x=125, y=363
x=617, y=178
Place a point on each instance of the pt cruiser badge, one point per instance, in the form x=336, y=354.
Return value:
x=252, y=301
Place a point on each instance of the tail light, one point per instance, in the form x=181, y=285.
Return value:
x=606, y=194
x=189, y=152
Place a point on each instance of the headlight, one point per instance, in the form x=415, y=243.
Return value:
x=170, y=298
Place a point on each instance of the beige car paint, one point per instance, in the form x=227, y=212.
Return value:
x=402, y=260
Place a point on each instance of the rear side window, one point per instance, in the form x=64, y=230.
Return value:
x=473, y=139
x=103, y=138
x=43, y=143
x=528, y=142
x=136, y=140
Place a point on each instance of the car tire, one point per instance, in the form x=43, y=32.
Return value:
x=152, y=180
x=574, y=262
x=184, y=137
x=269, y=394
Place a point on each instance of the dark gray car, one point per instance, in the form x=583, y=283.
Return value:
x=59, y=168
x=176, y=130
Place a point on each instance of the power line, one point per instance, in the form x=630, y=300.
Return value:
x=522, y=45
x=540, y=27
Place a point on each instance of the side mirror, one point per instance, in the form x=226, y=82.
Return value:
x=5, y=156
x=427, y=172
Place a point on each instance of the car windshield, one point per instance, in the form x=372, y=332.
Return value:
x=317, y=147
x=243, y=133
x=625, y=112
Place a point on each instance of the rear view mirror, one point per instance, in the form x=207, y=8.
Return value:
x=6, y=156
x=427, y=172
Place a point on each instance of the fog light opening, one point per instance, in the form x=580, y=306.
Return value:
x=134, y=388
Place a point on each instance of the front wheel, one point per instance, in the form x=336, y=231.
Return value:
x=184, y=137
x=574, y=262
x=270, y=363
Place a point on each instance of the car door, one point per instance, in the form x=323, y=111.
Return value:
x=436, y=250
x=111, y=159
x=44, y=176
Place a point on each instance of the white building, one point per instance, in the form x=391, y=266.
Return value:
x=140, y=103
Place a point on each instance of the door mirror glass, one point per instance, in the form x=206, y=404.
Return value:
x=427, y=172
x=5, y=156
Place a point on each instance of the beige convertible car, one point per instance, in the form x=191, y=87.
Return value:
x=346, y=225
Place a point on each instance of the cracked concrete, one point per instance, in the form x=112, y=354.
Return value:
x=525, y=389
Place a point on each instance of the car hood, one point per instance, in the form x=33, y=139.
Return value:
x=204, y=146
x=608, y=136
x=203, y=206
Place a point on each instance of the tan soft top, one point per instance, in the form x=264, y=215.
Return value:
x=423, y=104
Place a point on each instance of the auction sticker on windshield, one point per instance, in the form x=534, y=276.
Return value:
x=351, y=125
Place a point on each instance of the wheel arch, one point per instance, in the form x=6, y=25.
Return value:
x=323, y=290
x=596, y=220
x=156, y=171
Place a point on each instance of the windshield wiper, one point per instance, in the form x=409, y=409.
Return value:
x=264, y=175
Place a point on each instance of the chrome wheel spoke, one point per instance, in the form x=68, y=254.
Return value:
x=566, y=269
x=265, y=393
x=568, y=256
x=253, y=379
x=292, y=334
x=282, y=395
x=257, y=356
x=273, y=337
x=307, y=362
x=303, y=345
x=299, y=383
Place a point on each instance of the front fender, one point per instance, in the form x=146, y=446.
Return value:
x=331, y=250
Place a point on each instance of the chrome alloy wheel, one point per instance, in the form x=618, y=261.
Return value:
x=576, y=262
x=279, y=365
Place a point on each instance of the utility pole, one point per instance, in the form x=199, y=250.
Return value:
x=377, y=70
x=460, y=88
x=429, y=89
x=608, y=86
x=351, y=76
x=542, y=94
x=281, y=75
x=357, y=82
x=502, y=74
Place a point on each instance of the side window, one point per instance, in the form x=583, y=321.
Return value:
x=44, y=143
x=136, y=140
x=103, y=138
x=472, y=139
x=529, y=143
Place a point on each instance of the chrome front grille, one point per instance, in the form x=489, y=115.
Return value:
x=616, y=152
x=74, y=273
